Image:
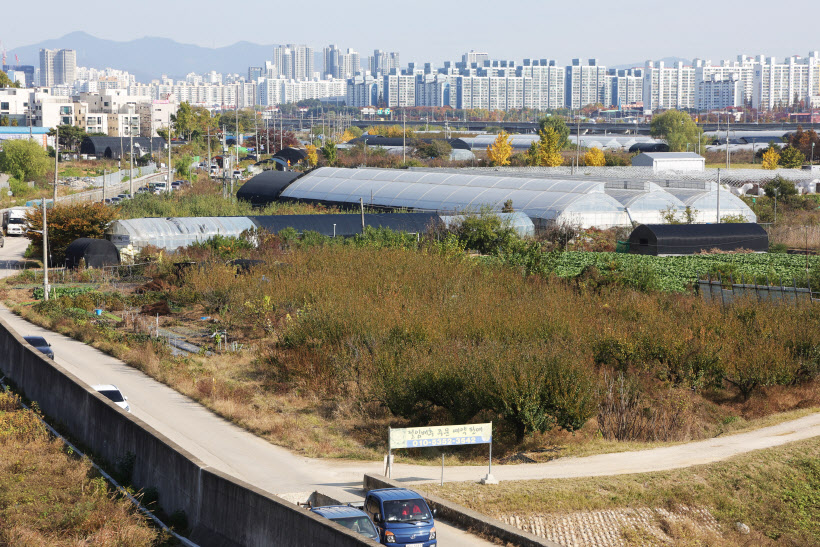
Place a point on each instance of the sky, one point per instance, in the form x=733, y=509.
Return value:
x=434, y=30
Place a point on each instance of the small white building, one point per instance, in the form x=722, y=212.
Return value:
x=670, y=161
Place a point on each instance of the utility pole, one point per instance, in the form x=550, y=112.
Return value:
x=578, y=143
x=361, y=205
x=209, y=144
x=103, y=186
x=131, y=153
x=45, y=223
x=718, y=197
x=236, y=133
x=168, y=184
x=728, y=114
x=403, y=136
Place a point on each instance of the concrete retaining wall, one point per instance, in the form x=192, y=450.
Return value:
x=467, y=518
x=222, y=510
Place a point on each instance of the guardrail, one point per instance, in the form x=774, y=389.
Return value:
x=472, y=520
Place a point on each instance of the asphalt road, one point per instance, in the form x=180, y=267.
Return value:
x=212, y=439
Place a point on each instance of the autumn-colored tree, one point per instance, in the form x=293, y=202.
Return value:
x=312, y=156
x=67, y=223
x=347, y=136
x=771, y=159
x=547, y=150
x=501, y=150
x=594, y=158
x=803, y=141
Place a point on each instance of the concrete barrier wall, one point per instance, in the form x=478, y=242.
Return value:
x=467, y=518
x=221, y=510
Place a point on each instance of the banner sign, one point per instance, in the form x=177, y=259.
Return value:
x=440, y=435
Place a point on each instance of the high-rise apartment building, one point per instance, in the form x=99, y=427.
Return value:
x=627, y=86
x=399, y=90
x=57, y=67
x=668, y=87
x=548, y=82
x=785, y=84
x=382, y=62
x=718, y=92
x=293, y=62
x=585, y=84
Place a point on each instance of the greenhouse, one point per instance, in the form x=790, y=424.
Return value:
x=685, y=239
x=172, y=233
x=571, y=200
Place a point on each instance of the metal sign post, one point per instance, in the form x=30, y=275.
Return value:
x=440, y=436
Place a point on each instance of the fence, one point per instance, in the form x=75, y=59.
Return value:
x=717, y=290
x=732, y=177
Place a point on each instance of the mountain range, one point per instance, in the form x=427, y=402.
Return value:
x=150, y=57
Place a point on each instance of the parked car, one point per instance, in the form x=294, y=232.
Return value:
x=237, y=173
x=113, y=393
x=142, y=189
x=402, y=517
x=349, y=517
x=115, y=200
x=176, y=185
x=124, y=196
x=39, y=343
x=108, y=201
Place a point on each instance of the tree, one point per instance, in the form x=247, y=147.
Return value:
x=329, y=151
x=770, y=159
x=803, y=141
x=501, y=150
x=71, y=136
x=558, y=125
x=546, y=151
x=792, y=158
x=435, y=149
x=67, y=223
x=5, y=81
x=23, y=159
x=312, y=156
x=594, y=158
x=677, y=129
x=183, y=120
x=780, y=187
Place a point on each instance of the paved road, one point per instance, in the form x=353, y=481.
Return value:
x=233, y=450
x=210, y=438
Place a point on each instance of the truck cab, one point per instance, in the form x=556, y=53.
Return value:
x=402, y=517
x=14, y=221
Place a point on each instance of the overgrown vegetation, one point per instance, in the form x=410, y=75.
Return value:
x=383, y=329
x=50, y=497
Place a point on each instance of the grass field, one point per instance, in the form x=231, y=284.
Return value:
x=776, y=492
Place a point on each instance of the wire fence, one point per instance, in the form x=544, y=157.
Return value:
x=732, y=177
x=725, y=291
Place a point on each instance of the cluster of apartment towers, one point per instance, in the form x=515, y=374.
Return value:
x=476, y=82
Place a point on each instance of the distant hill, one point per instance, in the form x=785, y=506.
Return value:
x=668, y=61
x=149, y=58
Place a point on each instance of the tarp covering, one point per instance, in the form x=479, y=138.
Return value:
x=265, y=187
x=96, y=253
x=293, y=155
x=684, y=239
x=343, y=225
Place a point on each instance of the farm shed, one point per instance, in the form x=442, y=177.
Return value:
x=95, y=252
x=670, y=161
x=685, y=239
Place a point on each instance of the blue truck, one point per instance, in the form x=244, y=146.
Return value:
x=349, y=517
x=402, y=517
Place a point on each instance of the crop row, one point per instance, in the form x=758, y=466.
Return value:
x=676, y=273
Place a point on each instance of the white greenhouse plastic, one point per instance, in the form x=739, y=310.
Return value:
x=575, y=200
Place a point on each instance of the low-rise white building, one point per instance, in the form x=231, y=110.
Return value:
x=670, y=161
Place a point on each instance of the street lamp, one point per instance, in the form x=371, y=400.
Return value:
x=811, y=162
